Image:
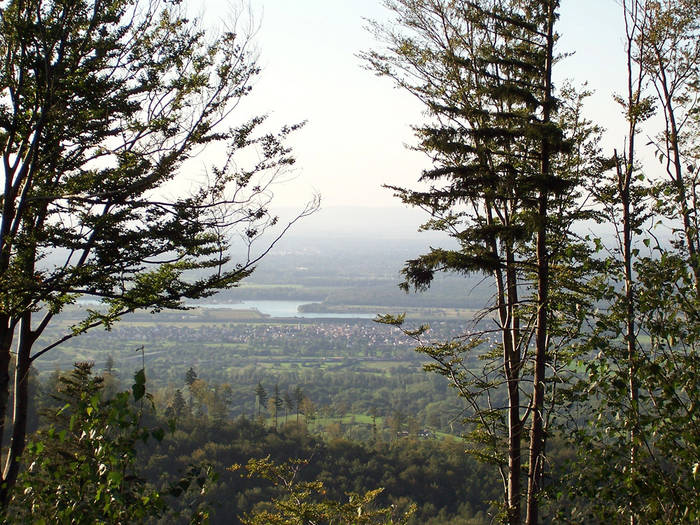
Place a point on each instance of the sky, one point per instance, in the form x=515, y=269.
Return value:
x=358, y=125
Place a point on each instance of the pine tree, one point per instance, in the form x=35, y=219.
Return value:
x=261, y=396
x=276, y=402
x=190, y=376
x=179, y=405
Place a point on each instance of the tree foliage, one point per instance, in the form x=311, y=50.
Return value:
x=509, y=155
x=84, y=468
x=639, y=448
x=103, y=106
x=304, y=502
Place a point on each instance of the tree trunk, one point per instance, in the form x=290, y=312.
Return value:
x=537, y=438
x=625, y=183
x=514, y=452
x=676, y=174
x=537, y=429
x=20, y=408
x=507, y=300
x=5, y=358
x=512, y=370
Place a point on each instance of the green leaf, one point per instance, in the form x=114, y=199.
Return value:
x=139, y=386
x=158, y=434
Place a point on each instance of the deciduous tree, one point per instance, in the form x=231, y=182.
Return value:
x=84, y=468
x=104, y=104
x=305, y=502
x=637, y=456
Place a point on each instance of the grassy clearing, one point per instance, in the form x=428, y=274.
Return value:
x=349, y=419
x=386, y=366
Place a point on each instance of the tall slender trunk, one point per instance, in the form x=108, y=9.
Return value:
x=624, y=177
x=507, y=300
x=537, y=438
x=6, y=331
x=508, y=317
x=20, y=407
x=675, y=172
x=6, y=336
x=535, y=466
x=512, y=370
x=625, y=172
x=633, y=388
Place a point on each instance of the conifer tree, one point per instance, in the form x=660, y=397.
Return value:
x=507, y=164
x=179, y=405
x=260, y=396
x=276, y=402
x=190, y=376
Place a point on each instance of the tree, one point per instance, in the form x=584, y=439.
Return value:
x=223, y=399
x=83, y=468
x=288, y=404
x=636, y=452
x=508, y=161
x=111, y=384
x=190, y=379
x=276, y=402
x=396, y=423
x=109, y=365
x=373, y=414
x=668, y=51
x=621, y=200
x=304, y=502
x=298, y=399
x=102, y=105
x=199, y=397
x=178, y=405
x=308, y=408
x=211, y=401
x=261, y=396
x=190, y=376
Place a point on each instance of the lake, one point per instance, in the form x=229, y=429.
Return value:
x=284, y=309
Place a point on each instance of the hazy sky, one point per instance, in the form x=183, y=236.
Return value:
x=358, y=124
